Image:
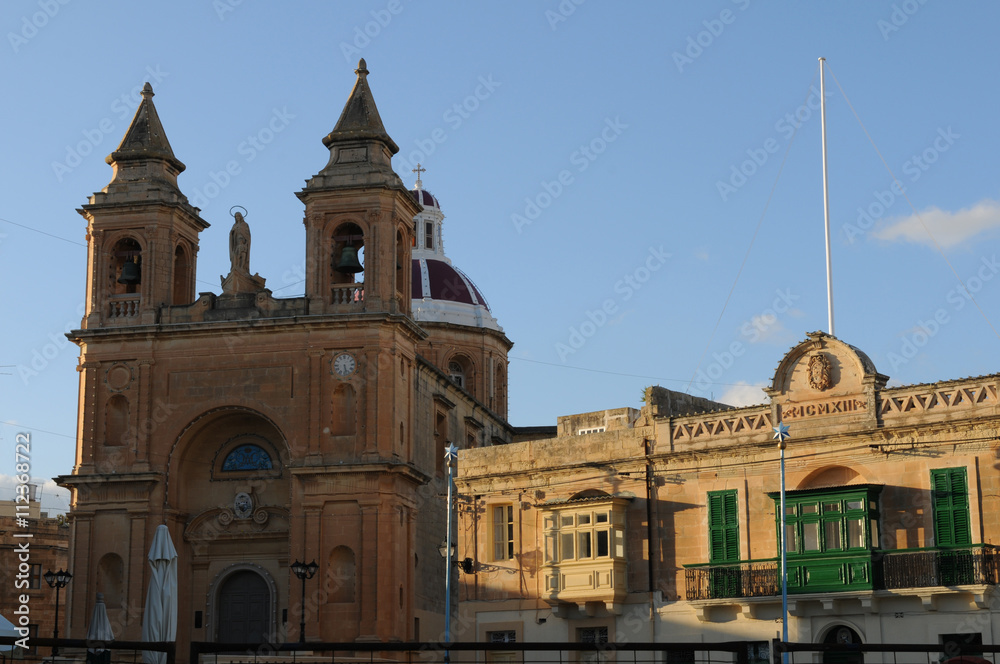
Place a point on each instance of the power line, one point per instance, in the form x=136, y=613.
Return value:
x=627, y=375
x=35, y=230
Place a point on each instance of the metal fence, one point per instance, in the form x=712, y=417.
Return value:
x=81, y=650
x=730, y=652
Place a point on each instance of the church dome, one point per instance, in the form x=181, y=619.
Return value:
x=438, y=280
x=425, y=198
x=444, y=294
x=441, y=292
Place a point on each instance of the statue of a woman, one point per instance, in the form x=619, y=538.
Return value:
x=239, y=245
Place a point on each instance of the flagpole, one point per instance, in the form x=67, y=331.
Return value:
x=826, y=197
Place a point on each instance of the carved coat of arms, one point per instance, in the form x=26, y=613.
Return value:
x=820, y=372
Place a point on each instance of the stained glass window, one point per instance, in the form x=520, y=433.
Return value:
x=247, y=457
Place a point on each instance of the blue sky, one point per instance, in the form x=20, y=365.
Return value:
x=603, y=168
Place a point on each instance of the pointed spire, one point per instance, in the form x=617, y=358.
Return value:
x=360, y=118
x=145, y=138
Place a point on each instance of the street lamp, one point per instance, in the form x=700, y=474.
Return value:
x=450, y=455
x=57, y=580
x=780, y=434
x=304, y=572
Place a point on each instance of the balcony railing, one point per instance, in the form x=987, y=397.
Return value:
x=351, y=296
x=909, y=568
x=924, y=568
x=747, y=579
x=123, y=306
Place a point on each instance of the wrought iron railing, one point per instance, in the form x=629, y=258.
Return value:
x=925, y=568
x=909, y=568
x=747, y=579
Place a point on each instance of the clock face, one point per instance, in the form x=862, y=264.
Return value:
x=344, y=364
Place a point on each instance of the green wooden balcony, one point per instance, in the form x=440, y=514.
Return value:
x=875, y=570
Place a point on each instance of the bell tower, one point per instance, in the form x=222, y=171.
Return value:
x=142, y=234
x=358, y=217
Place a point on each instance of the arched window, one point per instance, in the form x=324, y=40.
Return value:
x=341, y=580
x=110, y=580
x=116, y=421
x=247, y=457
x=344, y=411
x=347, y=260
x=457, y=373
x=500, y=390
x=402, y=265
x=182, y=277
x=125, y=273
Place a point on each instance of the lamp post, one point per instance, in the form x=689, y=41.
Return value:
x=304, y=572
x=450, y=455
x=57, y=580
x=780, y=434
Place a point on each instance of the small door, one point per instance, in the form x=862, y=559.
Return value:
x=844, y=636
x=244, y=609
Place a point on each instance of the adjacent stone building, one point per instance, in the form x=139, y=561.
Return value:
x=48, y=549
x=263, y=430
x=661, y=523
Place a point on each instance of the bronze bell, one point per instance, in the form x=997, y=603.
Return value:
x=130, y=273
x=348, y=263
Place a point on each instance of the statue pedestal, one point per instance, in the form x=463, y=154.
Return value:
x=242, y=282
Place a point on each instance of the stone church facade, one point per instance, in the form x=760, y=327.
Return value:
x=266, y=430
x=263, y=430
x=662, y=523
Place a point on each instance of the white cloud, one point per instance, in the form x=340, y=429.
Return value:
x=948, y=228
x=744, y=394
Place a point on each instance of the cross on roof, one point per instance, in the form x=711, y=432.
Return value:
x=418, y=170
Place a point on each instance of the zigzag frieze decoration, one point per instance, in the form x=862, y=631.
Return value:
x=722, y=426
x=957, y=398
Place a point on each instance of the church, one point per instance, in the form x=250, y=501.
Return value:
x=265, y=431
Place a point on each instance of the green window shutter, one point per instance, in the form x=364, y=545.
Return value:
x=723, y=527
x=951, y=507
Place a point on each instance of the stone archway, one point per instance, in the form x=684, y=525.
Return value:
x=842, y=635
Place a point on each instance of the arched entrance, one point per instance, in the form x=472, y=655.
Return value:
x=244, y=609
x=842, y=635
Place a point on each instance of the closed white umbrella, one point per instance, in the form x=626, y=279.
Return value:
x=7, y=629
x=159, y=621
x=99, y=631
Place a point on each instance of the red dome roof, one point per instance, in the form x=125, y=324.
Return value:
x=425, y=198
x=444, y=282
